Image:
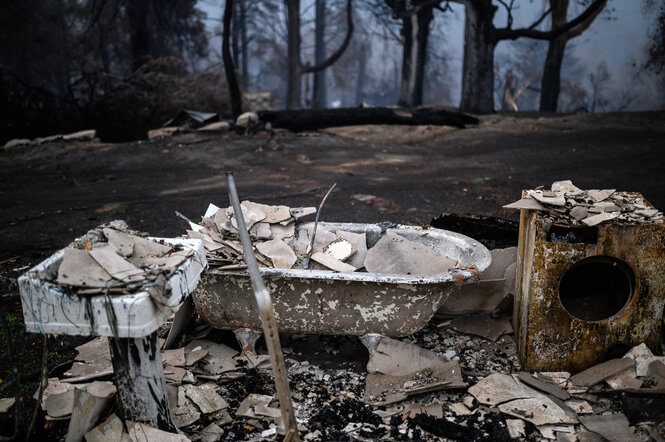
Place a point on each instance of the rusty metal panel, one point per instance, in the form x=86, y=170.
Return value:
x=550, y=337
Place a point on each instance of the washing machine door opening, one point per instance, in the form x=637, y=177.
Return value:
x=596, y=288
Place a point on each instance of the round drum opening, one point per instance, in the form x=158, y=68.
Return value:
x=596, y=288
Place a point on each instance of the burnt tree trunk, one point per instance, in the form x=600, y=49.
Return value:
x=294, y=86
x=415, y=30
x=229, y=66
x=319, y=98
x=296, y=120
x=362, y=70
x=550, y=85
x=139, y=377
x=139, y=34
x=244, y=43
x=478, y=64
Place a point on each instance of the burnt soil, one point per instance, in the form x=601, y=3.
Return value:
x=50, y=194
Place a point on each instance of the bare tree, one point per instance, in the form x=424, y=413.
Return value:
x=481, y=37
x=295, y=67
x=319, y=97
x=229, y=66
x=551, y=79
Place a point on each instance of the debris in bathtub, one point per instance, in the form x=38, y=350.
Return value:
x=397, y=255
x=340, y=249
x=332, y=263
x=570, y=205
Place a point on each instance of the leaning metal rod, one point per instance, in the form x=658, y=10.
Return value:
x=267, y=315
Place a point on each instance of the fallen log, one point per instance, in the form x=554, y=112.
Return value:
x=312, y=119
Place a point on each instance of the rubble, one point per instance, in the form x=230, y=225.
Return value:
x=568, y=204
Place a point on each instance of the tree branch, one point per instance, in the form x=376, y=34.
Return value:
x=340, y=51
x=415, y=9
x=582, y=21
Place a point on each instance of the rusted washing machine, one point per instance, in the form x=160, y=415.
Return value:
x=586, y=294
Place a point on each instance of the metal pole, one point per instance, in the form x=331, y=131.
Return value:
x=267, y=314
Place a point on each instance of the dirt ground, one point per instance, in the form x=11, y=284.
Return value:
x=50, y=194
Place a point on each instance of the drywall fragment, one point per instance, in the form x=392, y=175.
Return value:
x=498, y=388
x=78, y=268
x=537, y=410
x=482, y=325
x=115, y=265
x=110, y=430
x=598, y=373
x=139, y=432
x=543, y=386
x=281, y=255
x=526, y=203
x=339, y=249
x=394, y=254
x=359, y=243
x=246, y=407
x=601, y=217
x=515, y=428
x=332, y=263
x=206, y=398
x=396, y=358
x=120, y=240
x=381, y=389
x=610, y=426
x=174, y=357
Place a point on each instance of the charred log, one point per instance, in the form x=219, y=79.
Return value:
x=297, y=121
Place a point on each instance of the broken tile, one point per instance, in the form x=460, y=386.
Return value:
x=623, y=380
x=515, y=428
x=271, y=412
x=600, y=195
x=579, y=406
x=394, y=254
x=552, y=432
x=261, y=231
x=579, y=213
x=301, y=212
x=193, y=357
x=78, y=268
x=482, y=325
x=139, y=432
x=557, y=377
x=281, y=255
x=498, y=388
x=610, y=426
x=396, y=358
x=642, y=356
x=215, y=351
x=6, y=403
x=551, y=200
x=537, y=410
x=526, y=203
x=339, y=249
x=566, y=187
x=459, y=409
x=174, y=357
x=110, y=430
x=332, y=263
x=285, y=233
x=211, y=433
x=598, y=373
x=273, y=214
x=250, y=213
x=206, y=398
x=88, y=407
x=246, y=407
x=601, y=217
x=543, y=386
x=120, y=240
x=183, y=411
x=174, y=374
x=434, y=410
x=60, y=404
x=383, y=389
x=359, y=243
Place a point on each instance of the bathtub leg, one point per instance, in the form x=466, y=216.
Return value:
x=247, y=338
x=371, y=341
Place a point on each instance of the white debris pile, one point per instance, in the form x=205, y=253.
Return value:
x=571, y=205
x=280, y=240
x=110, y=259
